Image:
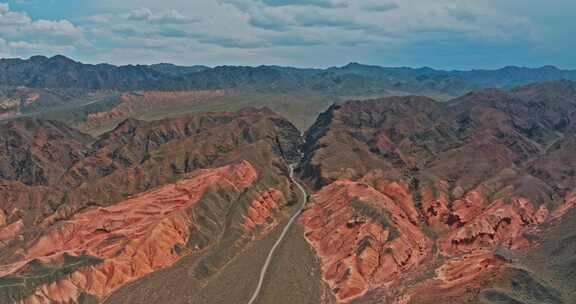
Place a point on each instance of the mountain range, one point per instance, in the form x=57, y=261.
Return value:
x=62, y=72
x=168, y=184
x=64, y=89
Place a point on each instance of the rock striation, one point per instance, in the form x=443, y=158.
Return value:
x=99, y=213
x=418, y=198
x=131, y=238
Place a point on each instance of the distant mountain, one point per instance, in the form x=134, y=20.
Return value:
x=62, y=72
x=506, y=77
x=176, y=70
x=354, y=79
x=348, y=80
x=512, y=76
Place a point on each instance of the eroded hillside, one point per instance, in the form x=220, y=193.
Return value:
x=427, y=202
x=413, y=201
x=82, y=217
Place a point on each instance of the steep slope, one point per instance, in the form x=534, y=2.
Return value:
x=131, y=238
x=141, y=197
x=39, y=158
x=417, y=199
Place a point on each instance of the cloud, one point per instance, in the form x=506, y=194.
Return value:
x=462, y=14
x=319, y=3
x=295, y=41
x=317, y=18
x=165, y=29
x=21, y=34
x=228, y=42
x=162, y=17
x=270, y=20
x=278, y=28
x=355, y=42
x=380, y=7
x=313, y=32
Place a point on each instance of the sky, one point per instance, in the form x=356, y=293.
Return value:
x=447, y=34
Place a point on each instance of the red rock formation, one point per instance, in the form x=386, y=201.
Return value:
x=133, y=237
x=17, y=99
x=9, y=232
x=364, y=238
x=261, y=210
x=499, y=223
x=481, y=173
x=361, y=250
x=81, y=211
x=464, y=269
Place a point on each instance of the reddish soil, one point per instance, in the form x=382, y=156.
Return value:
x=417, y=197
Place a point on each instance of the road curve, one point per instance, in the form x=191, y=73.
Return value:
x=281, y=238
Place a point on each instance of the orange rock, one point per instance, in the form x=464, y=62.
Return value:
x=363, y=237
x=461, y=270
x=11, y=231
x=134, y=237
x=499, y=223
x=262, y=208
x=369, y=237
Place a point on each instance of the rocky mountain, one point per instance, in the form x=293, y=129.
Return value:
x=506, y=77
x=94, y=98
x=352, y=79
x=80, y=217
x=62, y=72
x=36, y=152
x=175, y=70
x=412, y=200
x=426, y=202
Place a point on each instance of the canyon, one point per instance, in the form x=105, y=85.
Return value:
x=411, y=201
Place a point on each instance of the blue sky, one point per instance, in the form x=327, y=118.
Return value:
x=449, y=34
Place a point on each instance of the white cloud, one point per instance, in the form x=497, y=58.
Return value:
x=318, y=3
x=314, y=32
x=380, y=6
x=165, y=17
x=21, y=34
x=283, y=30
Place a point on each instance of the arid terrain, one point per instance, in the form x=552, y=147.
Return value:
x=171, y=185
x=95, y=98
x=287, y=152
x=426, y=202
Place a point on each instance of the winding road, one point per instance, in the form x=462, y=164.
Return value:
x=281, y=238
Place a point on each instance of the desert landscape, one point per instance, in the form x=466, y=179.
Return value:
x=260, y=168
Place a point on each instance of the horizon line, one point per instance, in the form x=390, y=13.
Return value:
x=553, y=66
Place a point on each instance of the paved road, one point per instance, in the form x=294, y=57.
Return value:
x=282, y=236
